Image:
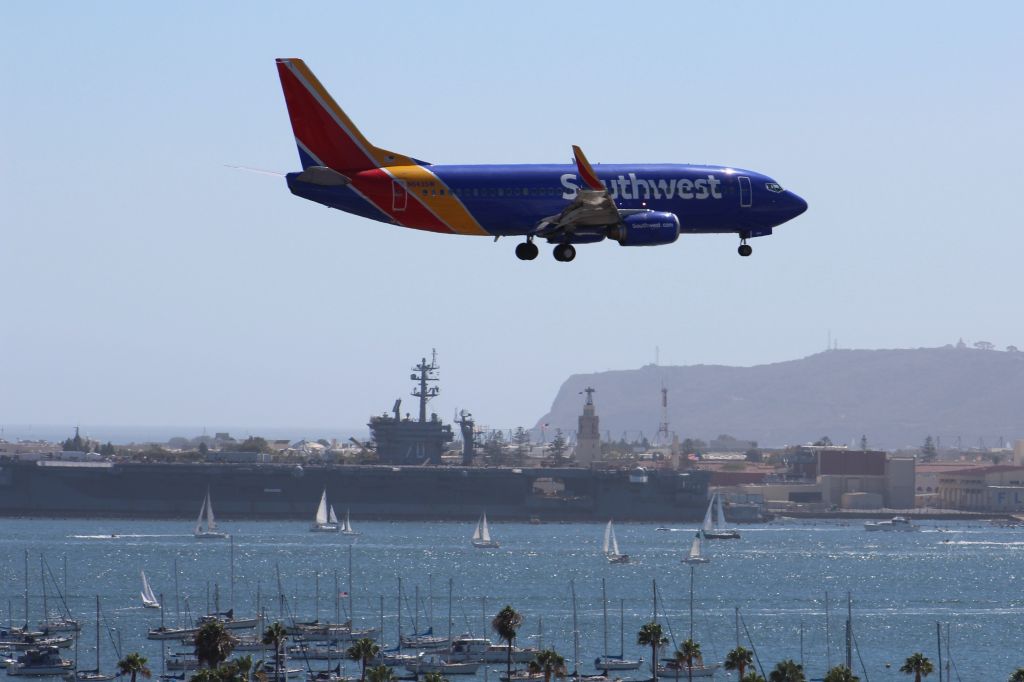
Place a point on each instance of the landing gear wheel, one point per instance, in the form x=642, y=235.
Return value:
x=526, y=251
x=745, y=250
x=564, y=253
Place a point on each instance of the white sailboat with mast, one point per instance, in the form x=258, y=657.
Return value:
x=608, y=661
x=346, y=526
x=149, y=599
x=611, y=546
x=713, y=527
x=209, y=530
x=94, y=675
x=325, y=521
x=482, y=535
x=694, y=556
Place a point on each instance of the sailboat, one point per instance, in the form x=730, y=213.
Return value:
x=95, y=675
x=209, y=532
x=346, y=526
x=608, y=661
x=149, y=599
x=713, y=527
x=325, y=522
x=611, y=547
x=482, y=535
x=694, y=557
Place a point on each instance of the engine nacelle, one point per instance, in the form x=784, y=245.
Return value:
x=650, y=228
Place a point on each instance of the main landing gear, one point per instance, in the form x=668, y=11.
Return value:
x=526, y=251
x=564, y=253
x=745, y=248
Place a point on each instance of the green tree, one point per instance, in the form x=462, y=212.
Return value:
x=688, y=652
x=363, y=650
x=382, y=673
x=928, y=450
x=1018, y=674
x=752, y=676
x=557, y=447
x=787, y=671
x=213, y=644
x=739, y=659
x=549, y=661
x=133, y=664
x=917, y=665
x=276, y=635
x=841, y=673
x=653, y=636
x=505, y=624
x=429, y=677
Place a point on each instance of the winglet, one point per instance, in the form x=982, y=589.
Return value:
x=587, y=174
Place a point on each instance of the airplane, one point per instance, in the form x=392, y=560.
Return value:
x=564, y=204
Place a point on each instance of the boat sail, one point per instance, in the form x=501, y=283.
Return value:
x=694, y=557
x=210, y=530
x=346, y=526
x=482, y=535
x=611, y=546
x=149, y=599
x=324, y=522
x=713, y=527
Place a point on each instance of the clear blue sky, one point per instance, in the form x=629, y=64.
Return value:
x=145, y=283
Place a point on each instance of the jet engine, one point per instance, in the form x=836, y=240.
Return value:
x=649, y=228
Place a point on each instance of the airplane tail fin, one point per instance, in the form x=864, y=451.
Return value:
x=324, y=134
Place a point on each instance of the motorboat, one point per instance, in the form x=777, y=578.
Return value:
x=171, y=633
x=40, y=661
x=896, y=523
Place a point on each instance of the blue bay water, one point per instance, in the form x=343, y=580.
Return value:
x=970, y=576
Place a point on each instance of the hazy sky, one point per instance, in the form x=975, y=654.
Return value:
x=146, y=283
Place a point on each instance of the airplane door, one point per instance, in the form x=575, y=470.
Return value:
x=746, y=196
x=399, y=195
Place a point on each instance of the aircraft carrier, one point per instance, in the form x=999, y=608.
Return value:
x=409, y=482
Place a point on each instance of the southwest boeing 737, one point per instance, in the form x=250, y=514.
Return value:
x=635, y=205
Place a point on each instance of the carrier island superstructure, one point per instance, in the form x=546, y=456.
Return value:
x=408, y=481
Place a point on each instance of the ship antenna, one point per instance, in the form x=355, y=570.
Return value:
x=425, y=373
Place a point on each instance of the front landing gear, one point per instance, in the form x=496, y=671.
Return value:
x=527, y=250
x=564, y=253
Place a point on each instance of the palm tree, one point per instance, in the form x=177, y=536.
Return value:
x=787, y=671
x=429, y=677
x=382, y=673
x=841, y=673
x=364, y=650
x=917, y=665
x=549, y=661
x=738, y=659
x=213, y=644
x=505, y=624
x=277, y=635
x=133, y=664
x=652, y=635
x=687, y=653
x=245, y=666
x=1017, y=676
x=752, y=676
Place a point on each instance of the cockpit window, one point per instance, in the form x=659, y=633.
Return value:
x=773, y=186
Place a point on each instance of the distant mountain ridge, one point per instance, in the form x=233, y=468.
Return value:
x=893, y=397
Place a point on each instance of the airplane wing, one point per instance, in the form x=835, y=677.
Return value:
x=592, y=208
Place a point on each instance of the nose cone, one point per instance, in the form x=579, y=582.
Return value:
x=795, y=205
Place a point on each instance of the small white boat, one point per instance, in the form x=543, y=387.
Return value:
x=670, y=668
x=714, y=528
x=41, y=661
x=482, y=535
x=435, y=664
x=896, y=523
x=611, y=547
x=609, y=663
x=208, y=531
x=163, y=633
x=694, y=556
x=182, y=661
x=149, y=599
x=325, y=521
x=346, y=526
